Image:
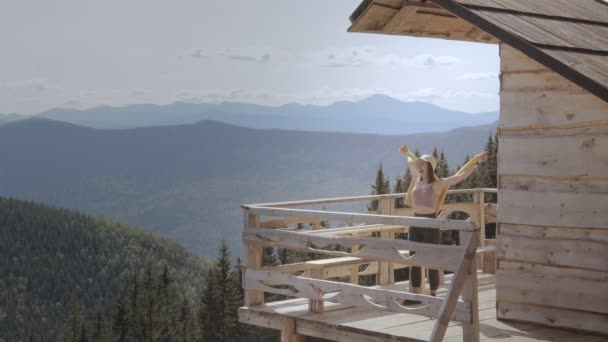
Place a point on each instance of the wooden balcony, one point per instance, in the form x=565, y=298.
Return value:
x=325, y=298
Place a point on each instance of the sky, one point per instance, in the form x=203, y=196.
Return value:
x=87, y=53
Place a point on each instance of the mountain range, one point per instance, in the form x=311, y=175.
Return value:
x=376, y=114
x=187, y=182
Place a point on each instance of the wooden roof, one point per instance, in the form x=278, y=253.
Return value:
x=569, y=37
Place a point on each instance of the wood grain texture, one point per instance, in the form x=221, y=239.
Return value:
x=554, y=317
x=584, y=254
x=538, y=184
x=589, y=234
x=551, y=289
x=542, y=81
x=530, y=109
x=565, y=155
x=558, y=209
x=512, y=60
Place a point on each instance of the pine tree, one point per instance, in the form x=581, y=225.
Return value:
x=183, y=326
x=208, y=310
x=120, y=319
x=73, y=321
x=98, y=326
x=443, y=169
x=399, y=188
x=83, y=334
x=149, y=301
x=381, y=186
x=491, y=165
x=224, y=267
x=135, y=312
x=165, y=305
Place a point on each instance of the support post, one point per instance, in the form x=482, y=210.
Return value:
x=254, y=254
x=470, y=329
x=288, y=331
x=456, y=288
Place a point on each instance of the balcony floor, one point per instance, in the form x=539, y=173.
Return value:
x=340, y=323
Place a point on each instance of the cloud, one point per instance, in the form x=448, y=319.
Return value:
x=251, y=58
x=37, y=85
x=254, y=55
x=433, y=61
x=362, y=56
x=433, y=94
x=478, y=76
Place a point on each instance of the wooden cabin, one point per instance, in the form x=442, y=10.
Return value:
x=553, y=157
x=551, y=253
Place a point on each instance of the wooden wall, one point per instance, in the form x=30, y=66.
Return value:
x=553, y=199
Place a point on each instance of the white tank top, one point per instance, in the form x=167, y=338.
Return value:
x=425, y=197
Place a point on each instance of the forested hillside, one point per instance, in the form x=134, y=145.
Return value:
x=188, y=182
x=51, y=258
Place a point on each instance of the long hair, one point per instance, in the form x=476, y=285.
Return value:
x=430, y=174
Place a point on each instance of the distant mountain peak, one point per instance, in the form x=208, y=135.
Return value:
x=380, y=98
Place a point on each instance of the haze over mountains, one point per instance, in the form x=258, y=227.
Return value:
x=187, y=182
x=376, y=114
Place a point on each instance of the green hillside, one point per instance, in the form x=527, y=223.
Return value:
x=47, y=255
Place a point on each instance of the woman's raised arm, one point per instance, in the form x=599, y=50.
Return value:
x=466, y=170
x=405, y=150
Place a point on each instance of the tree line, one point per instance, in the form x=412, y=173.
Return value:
x=150, y=308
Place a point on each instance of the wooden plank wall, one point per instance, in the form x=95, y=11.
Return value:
x=553, y=199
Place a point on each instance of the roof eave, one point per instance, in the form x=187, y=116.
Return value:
x=526, y=48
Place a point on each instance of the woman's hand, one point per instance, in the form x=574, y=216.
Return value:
x=404, y=149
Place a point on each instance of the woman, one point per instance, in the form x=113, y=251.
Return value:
x=427, y=195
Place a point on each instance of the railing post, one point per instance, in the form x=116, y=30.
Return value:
x=354, y=269
x=254, y=258
x=316, y=306
x=479, y=199
x=386, y=269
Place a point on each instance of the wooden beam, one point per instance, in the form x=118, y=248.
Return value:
x=470, y=329
x=397, y=251
x=399, y=19
x=288, y=331
x=352, y=295
x=456, y=286
x=365, y=218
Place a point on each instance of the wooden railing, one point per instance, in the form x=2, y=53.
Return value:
x=367, y=239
